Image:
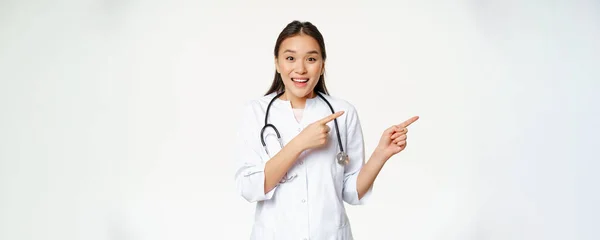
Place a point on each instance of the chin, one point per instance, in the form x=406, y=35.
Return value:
x=302, y=93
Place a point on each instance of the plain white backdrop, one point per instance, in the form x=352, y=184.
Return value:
x=117, y=117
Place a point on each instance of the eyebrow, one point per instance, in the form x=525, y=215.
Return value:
x=309, y=52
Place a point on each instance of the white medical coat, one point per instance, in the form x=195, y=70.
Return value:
x=310, y=205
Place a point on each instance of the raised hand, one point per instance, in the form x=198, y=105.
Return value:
x=394, y=138
x=315, y=134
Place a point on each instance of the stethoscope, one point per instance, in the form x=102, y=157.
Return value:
x=341, y=157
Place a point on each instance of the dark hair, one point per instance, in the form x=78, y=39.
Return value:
x=293, y=29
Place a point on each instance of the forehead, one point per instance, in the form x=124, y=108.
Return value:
x=300, y=44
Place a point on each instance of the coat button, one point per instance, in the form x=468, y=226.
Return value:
x=303, y=200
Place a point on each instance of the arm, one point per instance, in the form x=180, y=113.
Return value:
x=258, y=174
x=356, y=192
x=250, y=159
x=279, y=164
x=369, y=172
x=392, y=142
x=359, y=177
x=314, y=135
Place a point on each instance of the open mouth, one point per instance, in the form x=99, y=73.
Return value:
x=300, y=80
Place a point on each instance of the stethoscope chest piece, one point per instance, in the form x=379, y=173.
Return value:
x=342, y=158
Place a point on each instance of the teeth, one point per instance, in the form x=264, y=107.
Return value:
x=300, y=81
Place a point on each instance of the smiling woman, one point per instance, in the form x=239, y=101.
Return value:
x=300, y=66
x=297, y=177
x=299, y=62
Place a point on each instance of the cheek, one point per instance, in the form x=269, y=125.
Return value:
x=315, y=69
x=285, y=70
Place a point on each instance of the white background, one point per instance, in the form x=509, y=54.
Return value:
x=117, y=117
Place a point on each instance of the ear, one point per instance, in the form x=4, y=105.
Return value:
x=277, y=66
x=323, y=68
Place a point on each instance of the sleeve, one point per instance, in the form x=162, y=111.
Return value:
x=356, y=153
x=250, y=159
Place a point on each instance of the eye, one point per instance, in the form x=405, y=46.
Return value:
x=290, y=58
x=312, y=59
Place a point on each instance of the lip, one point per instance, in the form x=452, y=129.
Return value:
x=300, y=84
x=307, y=79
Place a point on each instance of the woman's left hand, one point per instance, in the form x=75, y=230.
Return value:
x=394, y=138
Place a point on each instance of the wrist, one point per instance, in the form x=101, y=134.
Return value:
x=295, y=146
x=380, y=155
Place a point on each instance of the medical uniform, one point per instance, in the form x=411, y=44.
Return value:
x=310, y=204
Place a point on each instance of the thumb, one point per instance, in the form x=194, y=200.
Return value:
x=388, y=132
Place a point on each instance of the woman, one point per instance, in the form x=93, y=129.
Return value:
x=300, y=181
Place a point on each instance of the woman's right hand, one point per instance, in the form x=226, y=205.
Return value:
x=315, y=134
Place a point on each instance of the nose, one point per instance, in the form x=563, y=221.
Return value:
x=300, y=68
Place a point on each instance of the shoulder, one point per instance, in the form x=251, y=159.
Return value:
x=257, y=104
x=252, y=113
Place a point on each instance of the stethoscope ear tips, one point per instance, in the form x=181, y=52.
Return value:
x=342, y=158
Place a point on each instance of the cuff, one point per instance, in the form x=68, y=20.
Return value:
x=350, y=193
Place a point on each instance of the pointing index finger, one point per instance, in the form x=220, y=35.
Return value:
x=331, y=117
x=408, y=122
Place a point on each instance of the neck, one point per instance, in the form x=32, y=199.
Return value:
x=296, y=101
